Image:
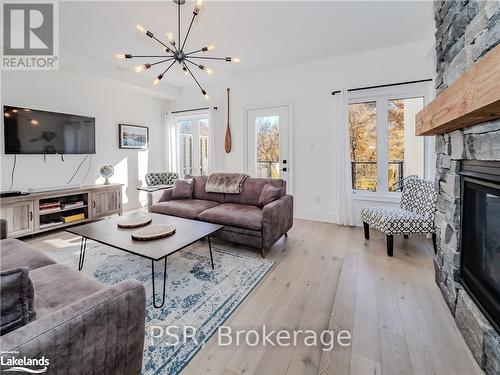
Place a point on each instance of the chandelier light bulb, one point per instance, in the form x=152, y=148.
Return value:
x=7, y=114
x=236, y=60
x=140, y=68
x=197, y=7
x=170, y=36
x=205, y=94
x=14, y=110
x=140, y=28
x=158, y=79
x=209, y=71
x=211, y=47
x=120, y=56
x=34, y=122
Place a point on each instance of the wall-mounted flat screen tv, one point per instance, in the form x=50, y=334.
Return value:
x=31, y=131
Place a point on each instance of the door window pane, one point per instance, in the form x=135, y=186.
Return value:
x=186, y=146
x=268, y=146
x=203, y=134
x=363, y=145
x=405, y=151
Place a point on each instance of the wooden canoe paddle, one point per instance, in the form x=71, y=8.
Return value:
x=227, y=142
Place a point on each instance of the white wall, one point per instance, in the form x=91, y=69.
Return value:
x=308, y=87
x=111, y=103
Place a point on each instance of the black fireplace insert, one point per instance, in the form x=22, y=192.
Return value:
x=480, y=248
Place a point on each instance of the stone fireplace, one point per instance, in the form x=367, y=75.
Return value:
x=467, y=262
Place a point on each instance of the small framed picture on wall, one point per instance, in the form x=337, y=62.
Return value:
x=133, y=136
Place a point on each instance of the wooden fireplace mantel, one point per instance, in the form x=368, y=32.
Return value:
x=472, y=99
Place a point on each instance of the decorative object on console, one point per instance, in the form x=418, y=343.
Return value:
x=175, y=52
x=153, y=232
x=107, y=171
x=227, y=183
x=227, y=140
x=136, y=221
x=133, y=136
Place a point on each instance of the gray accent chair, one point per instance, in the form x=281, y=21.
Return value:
x=245, y=222
x=80, y=325
x=161, y=178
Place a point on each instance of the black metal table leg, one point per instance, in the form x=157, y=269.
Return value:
x=164, y=283
x=210, y=248
x=83, y=247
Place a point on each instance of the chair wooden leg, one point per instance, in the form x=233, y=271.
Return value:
x=263, y=252
x=405, y=236
x=286, y=234
x=366, y=229
x=390, y=244
x=434, y=242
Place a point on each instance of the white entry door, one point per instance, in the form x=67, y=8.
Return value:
x=268, y=143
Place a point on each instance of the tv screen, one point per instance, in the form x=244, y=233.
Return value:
x=31, y=131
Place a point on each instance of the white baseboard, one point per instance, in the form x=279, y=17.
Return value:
x=316, y=216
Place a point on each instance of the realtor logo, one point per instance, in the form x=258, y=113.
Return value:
x=29, y=36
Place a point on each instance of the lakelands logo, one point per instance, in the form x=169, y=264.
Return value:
x=30, y=36
x=23, y=364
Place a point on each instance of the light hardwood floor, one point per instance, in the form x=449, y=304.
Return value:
x=330, y=277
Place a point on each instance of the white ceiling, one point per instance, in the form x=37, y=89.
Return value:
x=264, y=34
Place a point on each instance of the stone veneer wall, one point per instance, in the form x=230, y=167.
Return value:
x=465, y=32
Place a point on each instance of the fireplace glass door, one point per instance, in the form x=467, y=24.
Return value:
x=480, y=268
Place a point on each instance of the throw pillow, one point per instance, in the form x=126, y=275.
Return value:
x=17, y=293
x=269, y=194
x=183, y=189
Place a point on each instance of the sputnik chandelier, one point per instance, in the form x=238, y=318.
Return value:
x=174, y=53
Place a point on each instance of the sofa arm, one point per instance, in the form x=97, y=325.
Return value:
x=158, y=196
x=101, y=333
x=277, y=220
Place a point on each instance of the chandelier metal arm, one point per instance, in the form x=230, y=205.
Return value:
x=166, y=70
x=163, y=44
x=191, y=62
x=192, y=75
x=189, y=29
x=162, y=61
x=179, y=22
x=198, y=50
x=211, y=58
x=153, y=56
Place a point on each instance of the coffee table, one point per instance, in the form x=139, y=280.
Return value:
x=107, y=232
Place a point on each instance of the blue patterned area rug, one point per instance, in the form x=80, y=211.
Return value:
x=196, y=295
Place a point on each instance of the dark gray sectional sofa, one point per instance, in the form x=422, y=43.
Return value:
x=79, y=325
x=245, y=222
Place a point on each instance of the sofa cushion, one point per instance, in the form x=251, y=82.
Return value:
x=17, y=294
x=238, y=215
x=57, y=286
x=183, y=189
x=200, y=193
x=251, y=191
x=186, y=208
x=269, y=194
x=15, y=253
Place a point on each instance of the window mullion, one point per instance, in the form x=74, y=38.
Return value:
x=382, y=146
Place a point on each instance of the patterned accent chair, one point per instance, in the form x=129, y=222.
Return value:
x=415, y=215
x=161, y=178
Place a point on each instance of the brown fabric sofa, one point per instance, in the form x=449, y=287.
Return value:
x=80, y=325
x=244, y=221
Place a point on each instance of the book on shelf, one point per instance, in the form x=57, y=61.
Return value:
x=73, y=204
x=50, y=224
x=76, y=217
x=49, y=206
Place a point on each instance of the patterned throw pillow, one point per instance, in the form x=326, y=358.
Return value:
x=17, y=293
x=183, y=189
